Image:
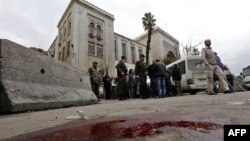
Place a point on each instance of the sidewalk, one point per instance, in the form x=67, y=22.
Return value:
x=221, y=109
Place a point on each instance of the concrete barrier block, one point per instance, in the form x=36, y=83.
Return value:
x=30, y=80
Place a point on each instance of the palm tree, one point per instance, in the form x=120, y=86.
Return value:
x=148, y=22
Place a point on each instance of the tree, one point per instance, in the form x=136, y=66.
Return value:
x=190, y=49
x=195, y=51
x=148, y=22
x=169, y=58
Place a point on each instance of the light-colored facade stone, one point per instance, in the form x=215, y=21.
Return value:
x=131, y=48
x=75, y=40
x=161, y=43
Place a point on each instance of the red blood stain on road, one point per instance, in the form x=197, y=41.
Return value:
x=116, y=129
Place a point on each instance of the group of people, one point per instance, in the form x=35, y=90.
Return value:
x=160, y=82
x=129, y=81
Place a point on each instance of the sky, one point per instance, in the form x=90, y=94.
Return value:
x=33, y=23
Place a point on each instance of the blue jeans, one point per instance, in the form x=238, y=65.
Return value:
x=160, y=86
x=153, y=86
x=168, y=87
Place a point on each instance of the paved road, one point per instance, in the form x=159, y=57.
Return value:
x=217, y=109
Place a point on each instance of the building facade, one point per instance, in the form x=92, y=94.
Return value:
x=129, y=48
x=161, y=43
x=86, y=34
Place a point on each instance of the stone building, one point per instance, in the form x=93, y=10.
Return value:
x=161, y=43
x=128, y=47
x=86, y=34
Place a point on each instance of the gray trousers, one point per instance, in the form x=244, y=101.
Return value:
x=215, y=69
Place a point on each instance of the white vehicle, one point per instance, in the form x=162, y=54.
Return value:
x=194, y=78
x=246, y=75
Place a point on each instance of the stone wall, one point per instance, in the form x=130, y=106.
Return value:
x=30, y=80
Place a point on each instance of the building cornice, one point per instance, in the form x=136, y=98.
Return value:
x=155, y=30
x=54, y=41
x=116, y=34
x=65, y=13
x=89, y=6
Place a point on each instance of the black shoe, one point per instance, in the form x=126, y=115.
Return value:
x=227, y=92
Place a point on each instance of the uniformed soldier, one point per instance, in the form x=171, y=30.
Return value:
x=141, y=72
x=95, y=78
x=212, y=67
x=122, y=86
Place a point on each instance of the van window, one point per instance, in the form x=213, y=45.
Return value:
x=182, y=67
x=195, y=64
x=246, y=71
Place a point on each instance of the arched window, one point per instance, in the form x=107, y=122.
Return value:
x=91, y=30
x=99, y=32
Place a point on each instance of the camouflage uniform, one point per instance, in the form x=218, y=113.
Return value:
x=176, y=75
x=177, y=84
x=95, y=79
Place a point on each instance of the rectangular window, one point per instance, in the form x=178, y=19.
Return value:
x=116, y=53
x=182, y=67
x=63, y=53
x=140, y=51
x=195, y=64
x=69, y=26
x=68, y=49
x=99, y=51
x=133, y=54
x=124, y=49
x=60, y=35
x=64, y=30
x=59, y=56
x=91, y=49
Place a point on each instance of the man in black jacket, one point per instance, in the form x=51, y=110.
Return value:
x=122, y=87
x=159, y=73
x=107, y=85
x=176, y=75
x=152, y=79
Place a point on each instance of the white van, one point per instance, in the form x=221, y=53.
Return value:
x=246, y=76
x=194, y=78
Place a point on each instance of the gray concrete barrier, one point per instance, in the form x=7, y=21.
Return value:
x=30, y=80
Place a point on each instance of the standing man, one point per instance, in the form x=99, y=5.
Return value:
x=133, y=82
x=168, y=84
x=176, y=75
x=122, y=86
x=209, y=59
x=159, y=72
x=95, y=78
x=107, y=85
x=141, y=72
x=152, y=79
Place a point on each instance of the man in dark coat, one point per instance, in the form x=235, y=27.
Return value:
x=122, y=87
x=141, y=72
x=169, y=90
x=152, y=79
x=133, y=83
x=159, y=72
x=176, y=75
x=107, y=86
